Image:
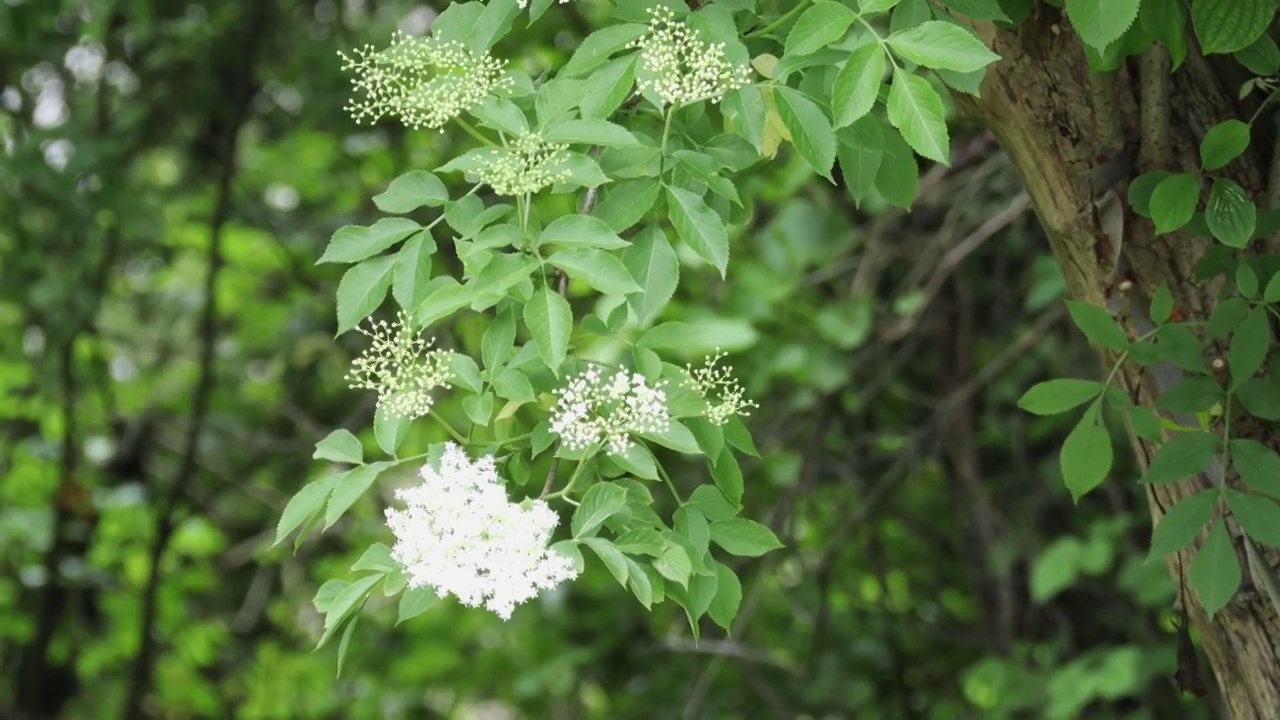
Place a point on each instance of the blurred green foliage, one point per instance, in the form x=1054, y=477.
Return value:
x=934, y=568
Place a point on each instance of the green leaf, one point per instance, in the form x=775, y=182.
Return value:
x=1098, y=325
x=640, y=541
x=340, y=446
x=868, y=7
x=724, y=607
x=599, y=46
x=550, y=320
x=413, y=271
x=626, y=203
x=498, y=339
x=942, y=46
x=822, y=24
x=915, y=108
x=728, y=475
x=1262, y=58
x=1181, y=456
x=1259, y=516
x=1223, y=143
x=601, y=502
x=347, y=600
x=1161, y=304
x=1102, y=22
x=638, y=583
x=607, y=88
x=1260, y=398
x=411, y=191
x=676, y=437
x=414, y=602
x=712, y=503
x=1180, y=346
x=443, y=297
x=1058, y=396
x=1257, y=464
x=978, y=9
x=744, y=538
x=501, y=115
x=1249, y=346
x=581, y=231
x=353, y=484
x=304, y=504
x=1191, y=395
x=810, y=130
x=1226, y=317
x=1214, y=572
x=610, y=556
x=1246, y=281
x=859, y=167
x=653, y=263
x=362, y=289
x=377, y=559
x=674, y=564
x=1182, y=523
x=389, y=430
x=899, y=175
x=325, y=595
x=857, y=84
x=597, y=268
x=1174, y=201
x=1142, y=188
x=1230, y=215
x=1086, y=455
x=699, y=226
x=1272, y=293
x=353, y=243
x=590, y=132
x=1225, y=26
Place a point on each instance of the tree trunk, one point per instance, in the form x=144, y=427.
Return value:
x=1064, y=129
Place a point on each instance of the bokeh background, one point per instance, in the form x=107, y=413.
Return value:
x=934, y=568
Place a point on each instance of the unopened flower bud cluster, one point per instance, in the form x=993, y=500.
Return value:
x=460, y=535
x=606, y=410
x=424, y=82
x=723, y=393
x=527, y=165
x=401, y=366
x=682, y=67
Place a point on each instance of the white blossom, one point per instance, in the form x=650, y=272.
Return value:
x=460, y=535
x=527, y=165
x=424, y=82
x=401, y=367
x=595, y=409
x=680, y=66
x=723, y=393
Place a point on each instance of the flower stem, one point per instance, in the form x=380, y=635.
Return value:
x=781, y=20
x=573, y=479
x=456, y=435
x=472, y=131
x=670, y=485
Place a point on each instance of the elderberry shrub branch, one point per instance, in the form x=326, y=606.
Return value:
x=1209, y=376
x=648, y=122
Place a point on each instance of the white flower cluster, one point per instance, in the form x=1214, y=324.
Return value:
x=527, y=165
x=683, y=68
x=723, y=393
x=460, y=535
x=423, y=81
x=595, y=409
x=401, y=367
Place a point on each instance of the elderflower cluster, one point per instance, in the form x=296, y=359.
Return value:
x=723, y=393
x=527, y=165
x=401, y=367
x=682, y=67
x=595, y=409
x=461, y=536
x=424, y=82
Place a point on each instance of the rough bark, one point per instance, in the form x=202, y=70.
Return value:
x=1059, y=124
